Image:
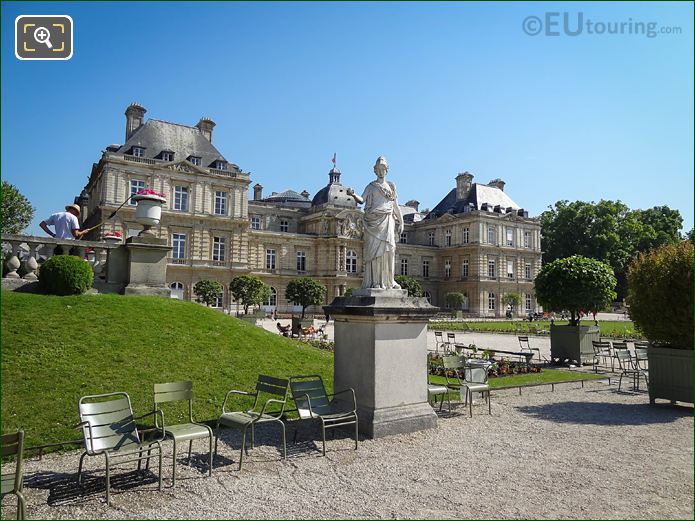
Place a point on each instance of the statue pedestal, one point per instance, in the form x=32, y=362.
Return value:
x=381, y=352
x=147, y=266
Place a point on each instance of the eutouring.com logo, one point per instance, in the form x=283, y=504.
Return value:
x=577, y=24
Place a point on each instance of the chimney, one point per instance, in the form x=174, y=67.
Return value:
x=413, y=204
x=497, y=183
x=205, y=125
x=134, y=117
x=305, y=194
x=257, y=192
x=463, y=185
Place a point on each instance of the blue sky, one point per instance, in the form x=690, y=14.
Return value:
x=438, y=88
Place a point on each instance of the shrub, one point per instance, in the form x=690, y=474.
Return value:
x=660, y=294
x=207, y=291
x=305, y=292
x=455, y=300
x=575, y=283
x=66, y=275
x=409, y=283
x=249, y=291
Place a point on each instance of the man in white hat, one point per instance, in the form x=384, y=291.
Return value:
x=66, y=224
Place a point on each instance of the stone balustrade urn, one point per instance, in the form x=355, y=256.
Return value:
x=148, y=211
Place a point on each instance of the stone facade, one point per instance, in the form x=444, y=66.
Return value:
x=476, y=241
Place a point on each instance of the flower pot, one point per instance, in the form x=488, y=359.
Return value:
x=573, y=343
x=113, y=239
x=148, y=211
x=670, y=374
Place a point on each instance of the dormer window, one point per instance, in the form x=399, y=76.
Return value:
x=194, y=160
x=138, y=151
x=166, y=155
x=220, y=165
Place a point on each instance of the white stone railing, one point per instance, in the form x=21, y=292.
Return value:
x=137, y=159
x=28, y=252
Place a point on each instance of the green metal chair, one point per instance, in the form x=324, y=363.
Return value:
x=453, y=372
x=628, y=367
x=475, y=381
x=602, y=351
x=434, y=390
x=109, y=430
x=177, y=392
x=12, y=483
x=525, y=345
x=618, y=347
x=267, y=414
x=313, y=403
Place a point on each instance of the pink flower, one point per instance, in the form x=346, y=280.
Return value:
x=149, y=191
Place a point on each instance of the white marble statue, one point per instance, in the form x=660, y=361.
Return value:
x=383, y=224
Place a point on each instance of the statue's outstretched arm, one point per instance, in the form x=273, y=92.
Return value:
x=351, y=193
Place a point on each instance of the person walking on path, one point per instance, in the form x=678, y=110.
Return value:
x=66, y=224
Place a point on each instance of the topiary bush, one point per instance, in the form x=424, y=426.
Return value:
x=66, y=275
x=660, y=294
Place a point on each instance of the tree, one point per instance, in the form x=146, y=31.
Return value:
x=409, y=283
x=512, y=299
x=455, y=300
x=249, y=291
x=305, y=292
x=17, y=211
x=207, y=291
x=575, y=284
x=607, y=231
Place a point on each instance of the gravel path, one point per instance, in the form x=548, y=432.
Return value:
x=575, y=453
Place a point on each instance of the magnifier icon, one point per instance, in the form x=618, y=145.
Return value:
x=43, y=35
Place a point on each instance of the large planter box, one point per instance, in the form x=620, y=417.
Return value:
x=573, y=343
x=670, y=374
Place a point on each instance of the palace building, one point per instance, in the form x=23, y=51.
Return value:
x=476, y=240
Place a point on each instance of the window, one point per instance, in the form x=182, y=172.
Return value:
x=491, y=301
x=404, y=238
x=491, y=269
x=135, y=186
x=273, y=298
x=404, y=266
x=464, y=269
x=491, y=235
x=466, y=235
x=301, y=261
x=167, y=156
x=430, y=238
x=219, y=245
x=255, y=223
x=181, y=198
x=351, y=262
x=510, y=269
x=428, y=296
x=284, y=225
x=425, y=268
x=510, y=237
x=194, y=160
x=447, y=268
x=219, y=300
x=527, y=239
x=220, y=203
x=527, y=270
x=138, y=151
x=527, y=301
x=178, y=243
x=270, y=259
x=220, y=165
x=176, y=290
x=447, y=238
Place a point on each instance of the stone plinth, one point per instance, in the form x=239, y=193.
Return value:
x=147, y=266
x=381, y=352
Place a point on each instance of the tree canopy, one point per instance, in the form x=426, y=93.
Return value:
x=410, y=284
x=249, y=291
x=608, y=231
x=575, y=284
x=305, y=292
x=17, y=211
x=455, y=300
x=207, y=291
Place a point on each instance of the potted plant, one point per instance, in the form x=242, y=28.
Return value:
x=304, y=292
x=113, y=237
x=661, y=281
x=149, y=209
x=574, y=284
x=455, y=301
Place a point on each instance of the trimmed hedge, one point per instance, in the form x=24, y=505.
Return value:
x=66, y=275
x=660, y=294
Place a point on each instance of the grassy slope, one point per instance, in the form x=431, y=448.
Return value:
x=56, y=349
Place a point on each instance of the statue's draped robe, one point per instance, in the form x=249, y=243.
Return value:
x=381, y=214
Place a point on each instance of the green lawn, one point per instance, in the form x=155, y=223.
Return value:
x=609, y=328
x=56, y=349
x=546, y=376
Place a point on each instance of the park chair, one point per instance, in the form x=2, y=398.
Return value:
x=475, y=381
x=12, y=483
x=313, y=403
x=438, y=341
x=182, y=432
x=453, y=371
x=434, y=390
x=525, y=345
x=271, y=411
x=109, y=430
x=450, y=341
x=629, y=368
x=602, y=351
x=640, y=361
x=617, y=347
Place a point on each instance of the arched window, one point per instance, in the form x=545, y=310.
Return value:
x=428, y=296
x=491, y=301
x=273, y=299
x=351, y=262
x=176, y=290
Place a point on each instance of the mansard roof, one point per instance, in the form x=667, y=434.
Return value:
x=156, y=136
x=289, y=198
x=476, y=197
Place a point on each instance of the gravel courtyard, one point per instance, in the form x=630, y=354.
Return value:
x=574, y=453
